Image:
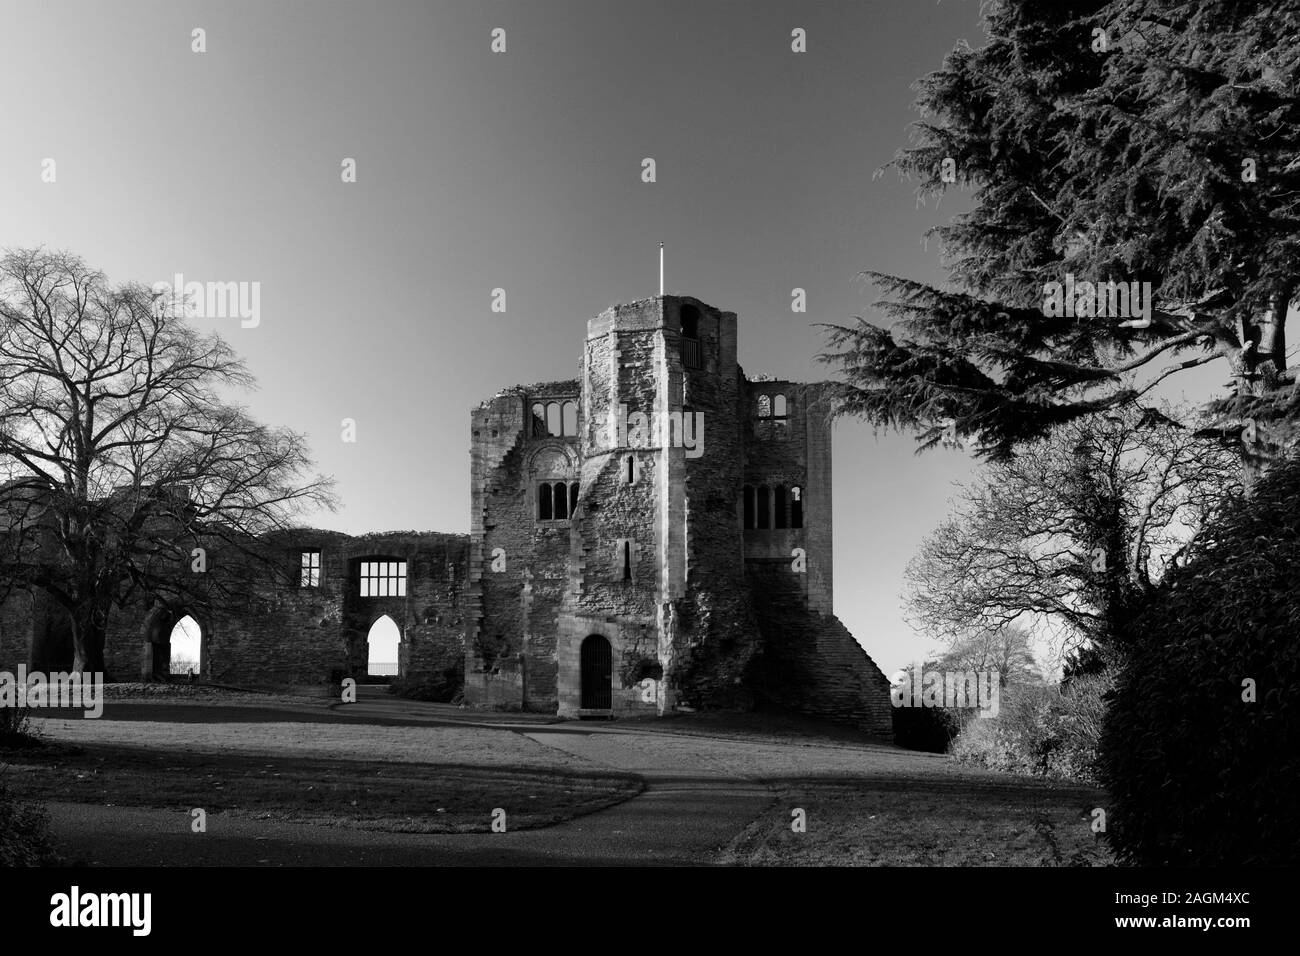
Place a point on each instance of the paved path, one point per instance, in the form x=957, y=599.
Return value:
x=688, y=811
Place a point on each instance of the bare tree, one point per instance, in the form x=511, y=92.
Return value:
x=1007, y=650
x=119, y=453
x=1074, y=533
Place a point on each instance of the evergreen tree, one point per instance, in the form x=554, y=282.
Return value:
x=1133, y=141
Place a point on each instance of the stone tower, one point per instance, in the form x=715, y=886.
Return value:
x=656, y=516
x=656, y=535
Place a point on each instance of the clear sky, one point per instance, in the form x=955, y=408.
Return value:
x=477, y=170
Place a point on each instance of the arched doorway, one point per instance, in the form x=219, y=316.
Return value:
x=383, y=641
x=597, y=672
x=185, y=648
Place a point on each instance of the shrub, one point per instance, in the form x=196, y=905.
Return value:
x=1199, y=776
x=930, y=729
x=442, y=688
x=1043, y=729
x=1079, y=716
x=492, y=651
x=24, y=834
x=1017, y=740
x=636, y=667
x=15, y=727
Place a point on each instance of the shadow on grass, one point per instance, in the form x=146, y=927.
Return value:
x=927, y=820
x=400, y=797
x=318, y=712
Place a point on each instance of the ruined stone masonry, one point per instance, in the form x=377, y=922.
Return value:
x=300, y=617
x=654, y=536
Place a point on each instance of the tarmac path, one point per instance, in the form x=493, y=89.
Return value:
x=689, y=810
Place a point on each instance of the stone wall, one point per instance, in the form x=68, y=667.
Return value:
x=812, y=664
x=717, y=638
x=260, y=628
x=518, y=563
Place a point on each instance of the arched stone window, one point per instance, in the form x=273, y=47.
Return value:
x=186, y=647
x=552, y=472
x=556, y=500
x=778, y=406
x=382, y=647
x=764, y=406
x=556, y=418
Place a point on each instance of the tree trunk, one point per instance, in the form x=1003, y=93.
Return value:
x=1263, y=367
x=89, y=631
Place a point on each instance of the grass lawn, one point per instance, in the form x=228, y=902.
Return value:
x=420, y=769
x=920, y=822
x=370, y=794
x=868, y=804
x=311, y=767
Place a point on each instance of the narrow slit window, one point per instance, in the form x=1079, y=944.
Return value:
x=573, y=498
x=778, y=506
x=631, y=469
x=796, y=507
x=749, y=507
x=627, y=559
x=692, y=356
x=764, y=507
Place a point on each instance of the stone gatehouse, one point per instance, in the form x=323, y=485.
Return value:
x=656, y=533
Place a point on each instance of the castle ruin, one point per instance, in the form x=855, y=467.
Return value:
x=654, y=536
